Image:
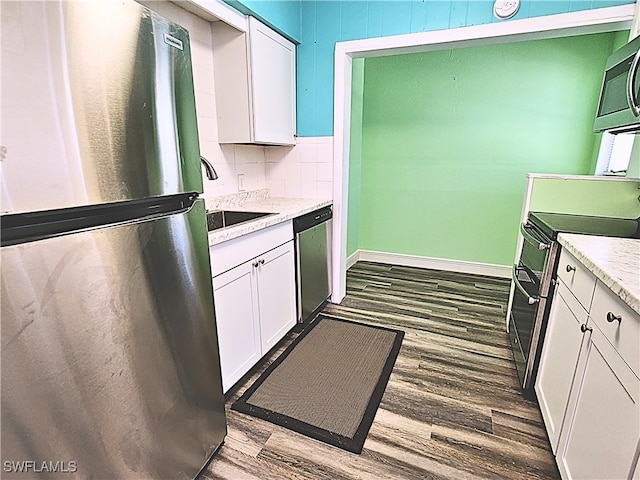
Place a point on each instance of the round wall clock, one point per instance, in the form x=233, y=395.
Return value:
x=504, y=9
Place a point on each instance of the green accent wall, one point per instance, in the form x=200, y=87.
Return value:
x=449, y=136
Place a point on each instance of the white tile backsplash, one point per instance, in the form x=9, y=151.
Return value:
x=277, y=188
x=325, y=190
x=292, y=154
x=308, y=152
x=276, y=171
x=293, y=189
x=304, y=170
x=308, y=172
x=324, y=172
x=275, y=154
x=292, y=171
x=325, y=151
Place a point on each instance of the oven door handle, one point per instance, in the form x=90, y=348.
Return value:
x=531, y=239
x=514, y=275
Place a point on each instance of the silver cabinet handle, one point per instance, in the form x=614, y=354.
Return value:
x=531, y=239
x=631, y=80
x=530, y=300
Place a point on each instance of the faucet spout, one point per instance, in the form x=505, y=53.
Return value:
x=210, y=171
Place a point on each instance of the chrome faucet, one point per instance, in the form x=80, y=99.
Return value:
x=211, y=172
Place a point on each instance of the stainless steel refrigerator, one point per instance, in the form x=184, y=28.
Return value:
x=110, y=365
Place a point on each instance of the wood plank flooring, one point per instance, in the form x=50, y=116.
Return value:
x=452, y=408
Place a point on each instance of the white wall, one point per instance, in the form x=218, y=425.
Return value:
x=305, y=170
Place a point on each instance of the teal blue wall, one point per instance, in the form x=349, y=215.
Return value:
x=322, y=23
x=281, y=15
x=326, y=22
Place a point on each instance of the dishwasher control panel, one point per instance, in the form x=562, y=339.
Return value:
x=312, y=219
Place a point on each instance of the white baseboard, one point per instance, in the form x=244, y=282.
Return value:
x=487, y=269
x=352, y=259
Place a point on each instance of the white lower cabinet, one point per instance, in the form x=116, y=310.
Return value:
x=276, y=295
x=558, y=360
x=254, y=302
x=602, y=430
x=238, y=322
x=588, y=383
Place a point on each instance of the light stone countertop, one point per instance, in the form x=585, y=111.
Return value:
x=614, y=261
x=285, y=208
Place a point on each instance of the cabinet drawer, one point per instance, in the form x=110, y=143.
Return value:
x=231, y=253
x=624, y=335
x=576, y=308
x=577, y=277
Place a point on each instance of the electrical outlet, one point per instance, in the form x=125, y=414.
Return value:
x=241, y=182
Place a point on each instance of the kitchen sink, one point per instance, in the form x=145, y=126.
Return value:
x=228, y=218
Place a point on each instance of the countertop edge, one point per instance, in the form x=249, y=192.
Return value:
x=285, y=209
x=604, y=268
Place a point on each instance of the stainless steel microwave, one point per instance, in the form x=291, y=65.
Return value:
x=619, y=105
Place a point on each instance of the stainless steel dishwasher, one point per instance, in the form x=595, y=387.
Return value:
x=313, y=261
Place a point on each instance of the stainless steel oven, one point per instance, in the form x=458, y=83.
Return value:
x=532, y=277
x=534, y=280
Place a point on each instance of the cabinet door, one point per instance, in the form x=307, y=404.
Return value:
x=558, y=361
x=273, y=77
x=238, y=323
x=276, y=294
x=603, y=433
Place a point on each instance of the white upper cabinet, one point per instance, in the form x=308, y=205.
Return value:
x=254, y=75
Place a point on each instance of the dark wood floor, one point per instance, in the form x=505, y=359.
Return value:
x=452, y=408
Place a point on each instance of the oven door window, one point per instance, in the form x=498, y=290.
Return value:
x=524, y=308
x=533, y=259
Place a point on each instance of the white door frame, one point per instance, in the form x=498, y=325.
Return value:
x=551, y=26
